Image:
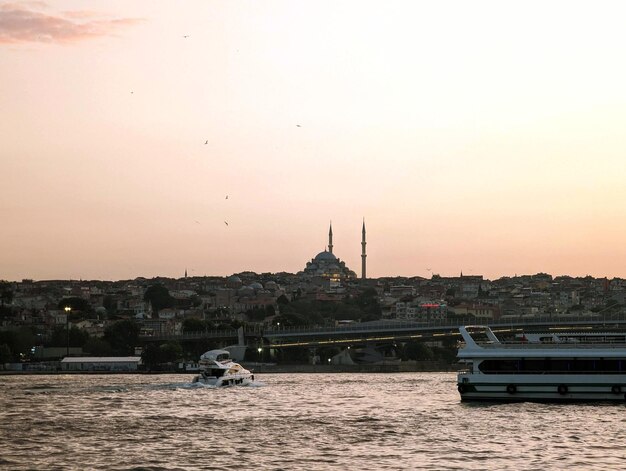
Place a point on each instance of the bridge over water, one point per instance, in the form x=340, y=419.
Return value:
x=391, y=330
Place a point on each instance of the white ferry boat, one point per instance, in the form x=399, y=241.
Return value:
x=542, y=367
x=218, y=369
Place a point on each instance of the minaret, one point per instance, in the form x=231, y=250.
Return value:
x=363, y=255
x=330, y=238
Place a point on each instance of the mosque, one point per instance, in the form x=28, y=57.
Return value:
x=327, y=265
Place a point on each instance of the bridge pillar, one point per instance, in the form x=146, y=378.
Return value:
x=314, y=357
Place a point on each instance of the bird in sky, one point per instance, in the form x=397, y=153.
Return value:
x=225, y=223
x=298, y=126
x=197, y=222
x=206, y=142
x=186, y=36
x=429, y=269
x=226, y=196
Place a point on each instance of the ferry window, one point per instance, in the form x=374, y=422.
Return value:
x=584, y=366
x=533, y=365
x=499, y=366
x=553, y=365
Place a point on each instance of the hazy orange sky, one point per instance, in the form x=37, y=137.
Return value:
x=485, y=137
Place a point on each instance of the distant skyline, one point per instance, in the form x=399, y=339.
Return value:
x=142, y=138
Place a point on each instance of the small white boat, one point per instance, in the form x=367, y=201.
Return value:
x=218, y=369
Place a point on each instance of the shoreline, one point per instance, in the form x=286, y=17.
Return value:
x=402, y=367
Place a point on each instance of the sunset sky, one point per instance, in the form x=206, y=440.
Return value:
x=486, y=137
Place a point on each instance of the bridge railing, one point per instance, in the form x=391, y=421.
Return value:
x=392, y=325
x=396, y=325
x=203, y=334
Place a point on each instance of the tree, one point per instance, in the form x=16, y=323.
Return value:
x=289, y=319
x=159, y=298
x=150, y=356
x=5, y=354
x=194, y=325
x=109, y=303
x=19, y=341
x=256, y=314
x=196, y=301
x=6, y=293
x=154, y=355
x=59, y=337
x=98, y=347
x=445, y=353
x=417, y=351
x=170, y=352
x=76, y=303
x=122, y=336
x=5, y=312
x=348, y=312
x=228, y=324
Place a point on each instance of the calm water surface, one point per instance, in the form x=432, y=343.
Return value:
x=298, y=421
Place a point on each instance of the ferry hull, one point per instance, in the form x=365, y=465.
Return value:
x=542, y=388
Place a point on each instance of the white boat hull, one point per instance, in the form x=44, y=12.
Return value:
x=231, y=380
x=542, y=387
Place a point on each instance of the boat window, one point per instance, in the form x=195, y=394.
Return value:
x=499, y=366
x=553, y=365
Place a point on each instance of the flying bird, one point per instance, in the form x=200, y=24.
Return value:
x=197, y=222
x=186, y=36
x=298, y=126
x=225, y=223
x=226, y=196
x=206, y=142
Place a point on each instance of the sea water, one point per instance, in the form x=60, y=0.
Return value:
x=293, y=421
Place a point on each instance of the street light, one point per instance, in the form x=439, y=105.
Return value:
x=68, y=309
x=260, y=350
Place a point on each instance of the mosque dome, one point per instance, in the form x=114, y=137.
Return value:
x=325, y=256
x=256, y=286
x=233, y=281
